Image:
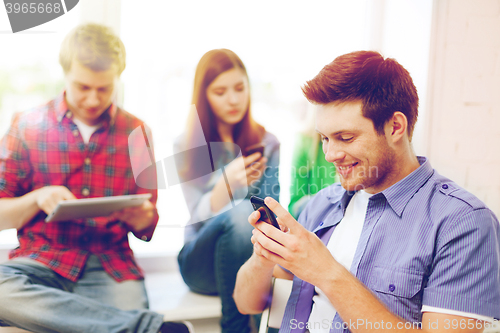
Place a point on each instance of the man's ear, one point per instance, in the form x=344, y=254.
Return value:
x=396, y=127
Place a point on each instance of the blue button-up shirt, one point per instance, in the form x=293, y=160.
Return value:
x=425, y=241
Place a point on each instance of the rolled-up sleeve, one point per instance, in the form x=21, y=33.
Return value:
x=15, y=166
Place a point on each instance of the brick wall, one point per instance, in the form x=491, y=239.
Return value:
x=463, y=124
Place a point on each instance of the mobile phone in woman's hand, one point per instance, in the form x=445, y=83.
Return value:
x=254, y=149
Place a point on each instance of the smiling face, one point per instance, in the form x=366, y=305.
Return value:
x=228, y=96
x=89, y=93
x=363, y=158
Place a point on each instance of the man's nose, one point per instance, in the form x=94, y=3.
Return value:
x=92, y=98
x=333, y=152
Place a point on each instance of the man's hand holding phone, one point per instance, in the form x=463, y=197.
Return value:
x=296, y=249
x=266, y=214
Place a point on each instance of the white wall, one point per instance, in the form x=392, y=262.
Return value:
x=464, y=96
x=401, y=30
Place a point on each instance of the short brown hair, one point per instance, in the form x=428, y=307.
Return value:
x=95, y=46
x=382, y=85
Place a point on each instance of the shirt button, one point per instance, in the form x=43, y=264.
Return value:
x=445, y=186
x=321, y=224
x=75, y=132
x=69, y=114
x=144, y=238
x=87, y=161
x=85, y=192
x=392, y=287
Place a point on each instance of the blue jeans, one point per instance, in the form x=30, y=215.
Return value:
x=209, y=262
x=35, y=298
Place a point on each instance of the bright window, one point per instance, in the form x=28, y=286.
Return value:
x=281, y=45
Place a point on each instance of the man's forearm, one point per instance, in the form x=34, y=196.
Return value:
x=253, y=286
x=363, y=312
x=16, y=212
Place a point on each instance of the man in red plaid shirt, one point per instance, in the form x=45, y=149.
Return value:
x=78, y=275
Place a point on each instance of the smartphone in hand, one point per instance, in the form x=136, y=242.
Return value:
x=254, y=149
x=266, y=214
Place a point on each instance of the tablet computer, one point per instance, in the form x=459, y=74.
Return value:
x=93, y=207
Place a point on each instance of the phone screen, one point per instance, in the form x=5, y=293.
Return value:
x=266, y=214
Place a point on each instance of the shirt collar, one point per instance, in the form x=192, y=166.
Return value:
x=399, y=194
x=338, y=195
x=62, y=110
x=339, y=198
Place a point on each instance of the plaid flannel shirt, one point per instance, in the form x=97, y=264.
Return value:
x=43, y=147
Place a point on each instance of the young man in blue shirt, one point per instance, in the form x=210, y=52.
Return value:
x=395, y=247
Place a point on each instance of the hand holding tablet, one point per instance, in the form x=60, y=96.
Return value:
x=93, y=207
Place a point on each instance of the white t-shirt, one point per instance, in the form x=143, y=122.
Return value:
x=342, y=246
x=85, y=130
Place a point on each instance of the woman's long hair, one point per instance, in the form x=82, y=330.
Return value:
x=245, y=133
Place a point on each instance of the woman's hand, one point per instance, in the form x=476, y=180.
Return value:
x=244, y=171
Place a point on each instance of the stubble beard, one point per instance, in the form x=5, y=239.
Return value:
x=373, y=177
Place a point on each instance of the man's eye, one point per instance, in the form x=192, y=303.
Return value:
x=324, y=139
x=346, y=139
